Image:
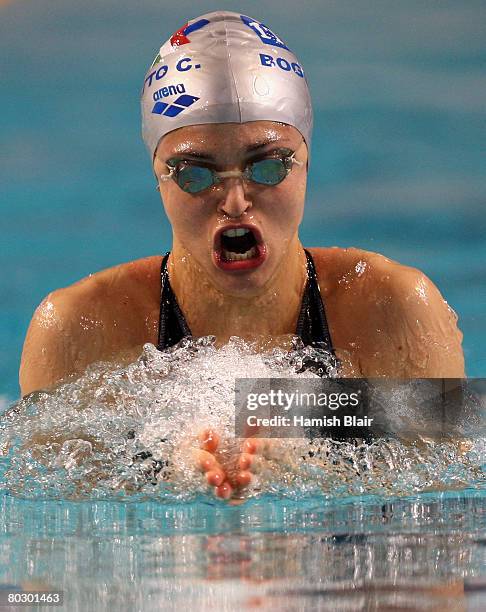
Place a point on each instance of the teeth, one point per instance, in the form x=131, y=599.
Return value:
x=232, y=233
x=241, y=231
x=230, y=256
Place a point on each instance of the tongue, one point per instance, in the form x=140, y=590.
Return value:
x=238, y=244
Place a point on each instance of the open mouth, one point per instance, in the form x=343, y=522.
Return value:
x=239, y=248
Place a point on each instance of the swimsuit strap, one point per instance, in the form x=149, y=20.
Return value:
x=312, y=326
x=172, y=324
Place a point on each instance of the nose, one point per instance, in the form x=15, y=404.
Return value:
x=234, y=199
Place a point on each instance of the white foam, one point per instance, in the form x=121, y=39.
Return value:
x=131, y=430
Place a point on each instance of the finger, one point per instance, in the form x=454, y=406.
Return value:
x=251, y=431
x=204, y=460
x=252, y=446
x=224, y=491
x=245, y=461
x=215, y=477
x=208, y=440
x=244, y=478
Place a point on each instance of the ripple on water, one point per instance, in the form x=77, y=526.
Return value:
x=129, y=431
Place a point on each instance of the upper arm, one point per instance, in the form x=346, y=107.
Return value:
x=65, y=335
x=417, y=335
x=46, y=357
x=101, y=318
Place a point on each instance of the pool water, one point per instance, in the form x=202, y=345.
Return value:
x=397, y=168
x=417, y=553
x=377, y=525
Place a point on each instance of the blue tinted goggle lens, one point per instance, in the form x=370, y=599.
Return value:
x=192, y=178
x=268, y=171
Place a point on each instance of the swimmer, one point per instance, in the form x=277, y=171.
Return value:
x=227, y=120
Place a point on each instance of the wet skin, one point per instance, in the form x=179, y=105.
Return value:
x=385, y=319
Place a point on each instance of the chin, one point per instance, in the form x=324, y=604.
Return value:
x=242, y=283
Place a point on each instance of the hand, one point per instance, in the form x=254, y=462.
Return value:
x=227, y=474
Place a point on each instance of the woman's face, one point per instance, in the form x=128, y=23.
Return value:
x=271, y=213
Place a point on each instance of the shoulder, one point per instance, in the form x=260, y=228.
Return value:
x=129, y=277
x=391, y=312
x=99, y=316
x=338, y=266
x=351, y=270
x=107, y=292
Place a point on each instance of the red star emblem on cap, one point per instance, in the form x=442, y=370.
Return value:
x=179, y=38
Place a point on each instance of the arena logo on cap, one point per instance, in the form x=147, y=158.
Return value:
x=181, y=36
x=176, y=107
x=169, y=90
x=265, y=34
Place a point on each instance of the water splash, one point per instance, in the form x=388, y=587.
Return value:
x=130, y=431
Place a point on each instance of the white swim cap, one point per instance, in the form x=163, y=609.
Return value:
x=224, y=67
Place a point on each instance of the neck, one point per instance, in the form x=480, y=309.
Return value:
x=268, y=318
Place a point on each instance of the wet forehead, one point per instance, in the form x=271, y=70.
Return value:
x=226, y=140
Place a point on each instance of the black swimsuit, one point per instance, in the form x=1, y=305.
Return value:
x=312, y=325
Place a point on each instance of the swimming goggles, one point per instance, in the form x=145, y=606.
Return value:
x=193, y=178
